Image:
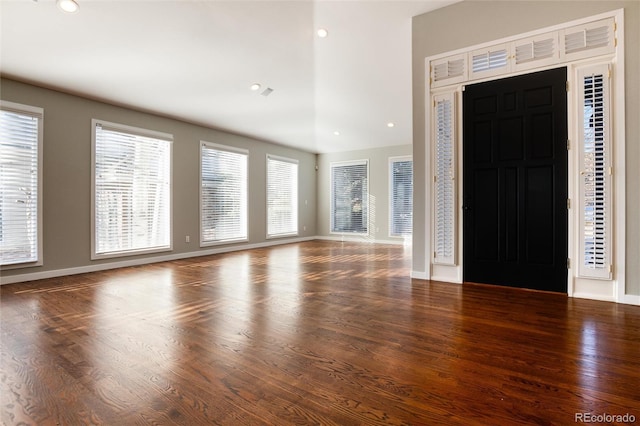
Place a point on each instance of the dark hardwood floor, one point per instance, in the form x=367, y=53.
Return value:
x=322, y=333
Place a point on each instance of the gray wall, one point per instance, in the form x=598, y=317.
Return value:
x=378, y=189
x=67, y=175
x=473, y=22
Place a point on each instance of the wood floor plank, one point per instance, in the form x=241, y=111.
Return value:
x=325, y=333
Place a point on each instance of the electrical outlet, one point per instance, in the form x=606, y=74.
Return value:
x=187, y=239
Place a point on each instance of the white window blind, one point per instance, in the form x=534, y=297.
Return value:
x=444, y=180
x=20, y=184
x=449, y=70
x=401, y=194
x=282, y=196
x=536, y=51
x=132, y=190
x=584, y=41
x=223, y=194
x=350, y=197
x=595, y=173
x=533, y=50
x=490, y=61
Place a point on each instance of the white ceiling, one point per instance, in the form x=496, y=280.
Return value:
x=195, y=60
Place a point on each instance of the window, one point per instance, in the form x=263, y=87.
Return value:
x=489, y=61
x=595, y=173
x=20, y=185
x=350, y=197
x=450, y=70
x=282, y=196
x=589, y=40
x=223, y=194
x=444, y=238
x=131, y=190
x=401, y=196
x=534, y=52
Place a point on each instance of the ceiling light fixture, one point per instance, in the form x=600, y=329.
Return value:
x=69, y=6
x=337, y=133
x=255, y=86
x=390, y=124
x=322, y=33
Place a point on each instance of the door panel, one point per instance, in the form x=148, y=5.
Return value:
x=539, y=216
x=486, y=245
x=511, y=219
x=515, y=181
x=511, y=139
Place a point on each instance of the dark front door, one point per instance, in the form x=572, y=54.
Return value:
x=515, y=181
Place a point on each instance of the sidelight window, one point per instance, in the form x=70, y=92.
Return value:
x=595, y=172
x=444, y=180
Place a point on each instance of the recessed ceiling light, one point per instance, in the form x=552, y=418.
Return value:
x=69, y=6
x=390, y=124
x=255, y=86
x=337, y=133
x=322, y=33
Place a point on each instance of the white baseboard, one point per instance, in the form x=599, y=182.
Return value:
x=419, y=275
x=593, y=296
x=630, y=299
x=143, y=261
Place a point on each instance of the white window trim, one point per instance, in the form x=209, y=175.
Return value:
x=612, y=290
x=232, y=149
x=141, y=132
x=297, y=217
x=38, y=113
x=393, y=160
x=368, y=202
